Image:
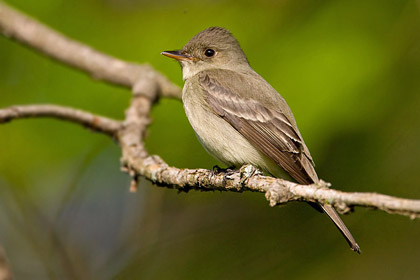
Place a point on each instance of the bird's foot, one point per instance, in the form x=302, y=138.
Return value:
x=217, y=169
x=247, y=171
x=227, y=172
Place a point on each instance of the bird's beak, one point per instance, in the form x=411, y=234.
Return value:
x=178, y=55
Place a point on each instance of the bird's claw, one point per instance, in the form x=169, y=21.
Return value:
x=227, y=172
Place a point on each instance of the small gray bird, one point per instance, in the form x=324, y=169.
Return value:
x=238, y=117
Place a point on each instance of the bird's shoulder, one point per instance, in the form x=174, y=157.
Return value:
x=247, y=85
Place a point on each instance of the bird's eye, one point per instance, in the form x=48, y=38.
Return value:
x=209, y=53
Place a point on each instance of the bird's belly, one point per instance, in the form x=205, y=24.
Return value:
x=222, y=141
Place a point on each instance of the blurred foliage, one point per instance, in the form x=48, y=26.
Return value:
x=349, y=70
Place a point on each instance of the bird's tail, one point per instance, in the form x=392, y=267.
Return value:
x=312, y=177
x=330, y=211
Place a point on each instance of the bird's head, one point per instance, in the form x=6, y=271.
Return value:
x=213, y=48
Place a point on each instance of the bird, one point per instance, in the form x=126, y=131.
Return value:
x=239, y=118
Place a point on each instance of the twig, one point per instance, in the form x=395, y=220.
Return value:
x=30, y=32
x=95, y=122
x=5, y=272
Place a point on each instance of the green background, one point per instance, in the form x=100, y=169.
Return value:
x=350, y=71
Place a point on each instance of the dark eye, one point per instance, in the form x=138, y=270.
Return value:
x=209, y=52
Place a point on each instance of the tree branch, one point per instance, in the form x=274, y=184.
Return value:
x=31, y=33
x=5, y=271
x=95, y=122
x=147, y=85
x=136, y=161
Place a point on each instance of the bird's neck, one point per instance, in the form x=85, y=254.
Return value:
x=190, y=70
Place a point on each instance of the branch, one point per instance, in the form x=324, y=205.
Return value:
x=5, y=271
x=136, y=161
x=31, y=33
x=147, y=85
x=277, y=191
x=95, y=122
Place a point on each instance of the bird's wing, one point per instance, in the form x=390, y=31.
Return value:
x=269, y=130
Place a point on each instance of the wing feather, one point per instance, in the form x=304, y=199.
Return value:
x=269, y=130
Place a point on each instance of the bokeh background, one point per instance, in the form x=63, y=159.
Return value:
x=350, y=71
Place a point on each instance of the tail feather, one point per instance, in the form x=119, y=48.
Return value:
x=329, y=210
